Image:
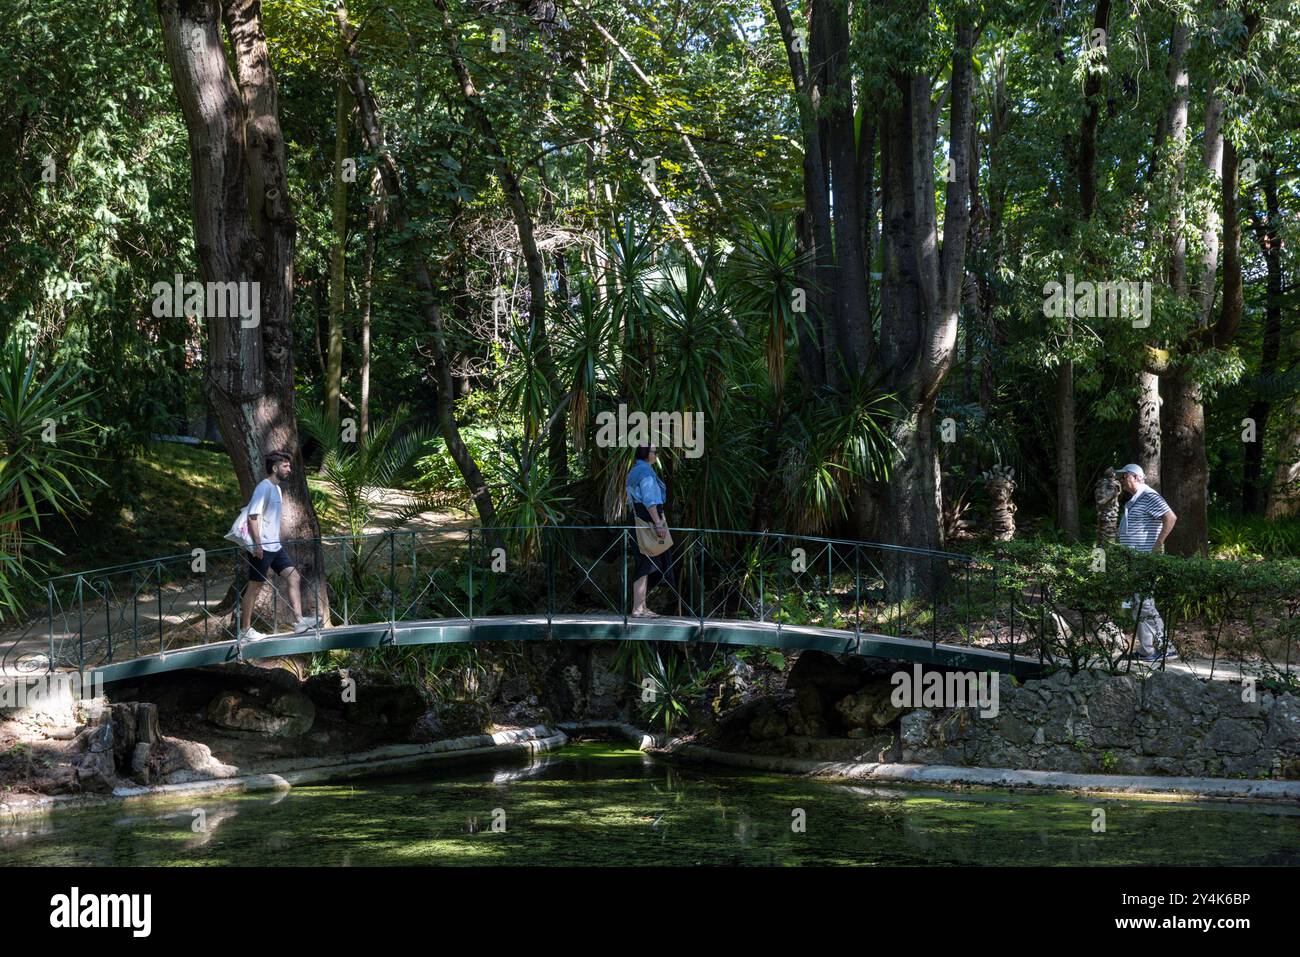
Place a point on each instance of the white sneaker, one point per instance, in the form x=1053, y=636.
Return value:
x=305, y=623
x=251, y=634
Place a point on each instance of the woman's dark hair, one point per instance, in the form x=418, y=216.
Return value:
x=275, y=458
x=642, y=453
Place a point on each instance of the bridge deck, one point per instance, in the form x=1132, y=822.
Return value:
x=579, y=628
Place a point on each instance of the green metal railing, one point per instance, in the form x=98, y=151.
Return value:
x=107, y=615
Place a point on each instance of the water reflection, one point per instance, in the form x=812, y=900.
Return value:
x=596, y=804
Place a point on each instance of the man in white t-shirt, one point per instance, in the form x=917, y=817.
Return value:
x=1145, y=522
x=267, y=553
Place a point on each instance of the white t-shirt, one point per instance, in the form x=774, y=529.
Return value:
x=265, y=506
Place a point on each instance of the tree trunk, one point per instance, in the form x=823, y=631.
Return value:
x=1067, y=480
x=338, y=261
x=1284, y=495
x=244, y=232
x=815, y=226
x=372, y=237
x=853, y=339
x=1266, y=232
x=1173, y=124
x=1148, y=427
x=1184, y=469
x=1067, y=467
x=921, y=297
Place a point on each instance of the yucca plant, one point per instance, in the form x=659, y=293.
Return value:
x=627, y=263
x=45, y=445
x=765, y=277
x=841, y=442
x=530, y=501
x=586, y=349
x=527, y=387
x=694, y=359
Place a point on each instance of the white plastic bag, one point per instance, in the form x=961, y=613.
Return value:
x=239, y=531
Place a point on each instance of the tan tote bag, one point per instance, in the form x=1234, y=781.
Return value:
x=648, y=541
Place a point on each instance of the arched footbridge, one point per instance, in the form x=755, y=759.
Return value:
x=551, y=583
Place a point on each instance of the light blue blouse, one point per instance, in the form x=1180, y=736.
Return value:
x=645, y=486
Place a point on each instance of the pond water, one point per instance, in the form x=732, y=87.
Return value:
x=601, y=804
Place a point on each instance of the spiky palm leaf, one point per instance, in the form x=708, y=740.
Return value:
x=765, y=270
x=360, y=474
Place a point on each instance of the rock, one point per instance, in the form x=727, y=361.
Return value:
x=184, y=761
x=1114, y=703
x=769, y=724
x=326, y=689
x=123, y=718
x=808, y=717
x=606, y=687
x=459, y=718
x=140, y=762
x=146, y=723
x=428, y=728
x=285, y=714
x=1233, y=736
x=514, y=687
x=397, y=706
x=1284, y=725
x=870, y=708
x=914, y=727
x=831, y=675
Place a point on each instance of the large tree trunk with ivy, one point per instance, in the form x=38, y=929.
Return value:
x=244, y=232
x=1185, y=467
x=920, y=296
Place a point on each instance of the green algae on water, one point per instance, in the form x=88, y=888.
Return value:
x=594, y=804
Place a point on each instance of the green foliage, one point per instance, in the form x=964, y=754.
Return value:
x=360, y=470
x=45, y=461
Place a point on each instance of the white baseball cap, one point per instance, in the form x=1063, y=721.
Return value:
x=1133, y=470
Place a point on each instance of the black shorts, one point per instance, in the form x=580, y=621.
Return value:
x=654, y=566
x=277, y=561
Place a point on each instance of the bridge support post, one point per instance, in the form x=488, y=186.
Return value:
x=49, y=599
x=549, y=548
x=857, y=599
x=392, y=579
x=81, y=625
x=162, y=650
x=699, y=537
x=108, y=621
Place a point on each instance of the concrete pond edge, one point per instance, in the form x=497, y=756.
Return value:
x=1145, y=787
x=389, y=759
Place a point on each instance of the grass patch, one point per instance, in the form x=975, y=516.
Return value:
x=185, y=498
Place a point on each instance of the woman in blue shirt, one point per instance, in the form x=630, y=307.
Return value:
x=646, y=494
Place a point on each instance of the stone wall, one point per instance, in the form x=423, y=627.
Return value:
x=1166, y=723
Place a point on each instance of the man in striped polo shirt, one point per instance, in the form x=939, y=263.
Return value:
x=1145, y=522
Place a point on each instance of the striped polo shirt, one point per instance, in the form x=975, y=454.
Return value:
x=1140, y=519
